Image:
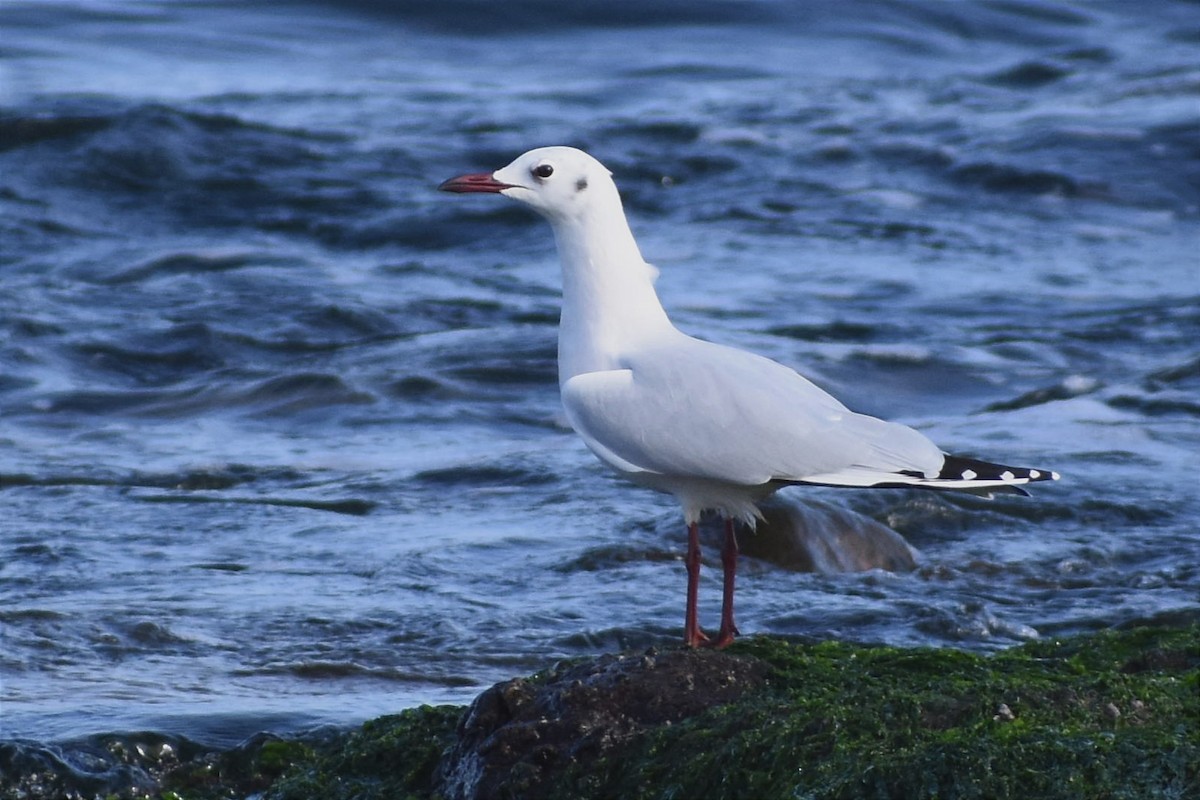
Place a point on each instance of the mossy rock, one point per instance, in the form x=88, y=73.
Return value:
x=1113, y=715
x=392, y=757
x=1108, y=715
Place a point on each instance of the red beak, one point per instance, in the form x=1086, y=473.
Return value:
x=477, y=182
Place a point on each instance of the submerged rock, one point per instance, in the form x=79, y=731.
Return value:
x=143, y=765
x=820, y=537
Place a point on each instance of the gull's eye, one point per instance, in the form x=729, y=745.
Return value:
x=543, y=171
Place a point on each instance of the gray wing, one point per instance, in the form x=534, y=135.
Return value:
x=696, y=409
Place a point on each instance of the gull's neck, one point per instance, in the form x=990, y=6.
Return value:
x=609, y=302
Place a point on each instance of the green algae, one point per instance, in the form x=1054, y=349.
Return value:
x=1113, y=715
x=392, y=757
x=249, y=768
x=1109, y=715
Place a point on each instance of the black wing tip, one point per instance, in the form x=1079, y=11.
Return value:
x=960, y=468
x=958, y=474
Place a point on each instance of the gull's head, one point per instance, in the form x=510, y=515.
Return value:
x=560, y=183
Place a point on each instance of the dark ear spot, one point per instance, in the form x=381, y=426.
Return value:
x=581, y=184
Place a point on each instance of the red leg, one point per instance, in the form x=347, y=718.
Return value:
x=729, y=555
x=692, y=635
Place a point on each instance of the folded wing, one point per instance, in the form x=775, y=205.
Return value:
x=699, y=410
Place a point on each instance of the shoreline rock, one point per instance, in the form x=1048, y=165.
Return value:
x=520, y=736
x=1109, y=714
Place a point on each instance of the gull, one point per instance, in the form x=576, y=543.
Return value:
x=717, y=427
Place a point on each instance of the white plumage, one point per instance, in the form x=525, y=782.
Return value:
x=717, y=427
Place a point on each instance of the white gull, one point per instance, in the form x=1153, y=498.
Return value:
x=717, y=427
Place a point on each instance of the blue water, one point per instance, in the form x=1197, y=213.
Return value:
x=280, y=441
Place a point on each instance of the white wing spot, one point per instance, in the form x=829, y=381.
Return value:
x=1053, y=476
x=1033, y=473
x=969, y=475
x=1006, y=476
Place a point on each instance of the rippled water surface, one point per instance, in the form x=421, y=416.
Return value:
x=280, y=441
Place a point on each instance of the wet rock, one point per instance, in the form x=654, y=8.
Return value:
x=138, y=765
x=766, y=718
x=819, y=537
x=518, y=735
